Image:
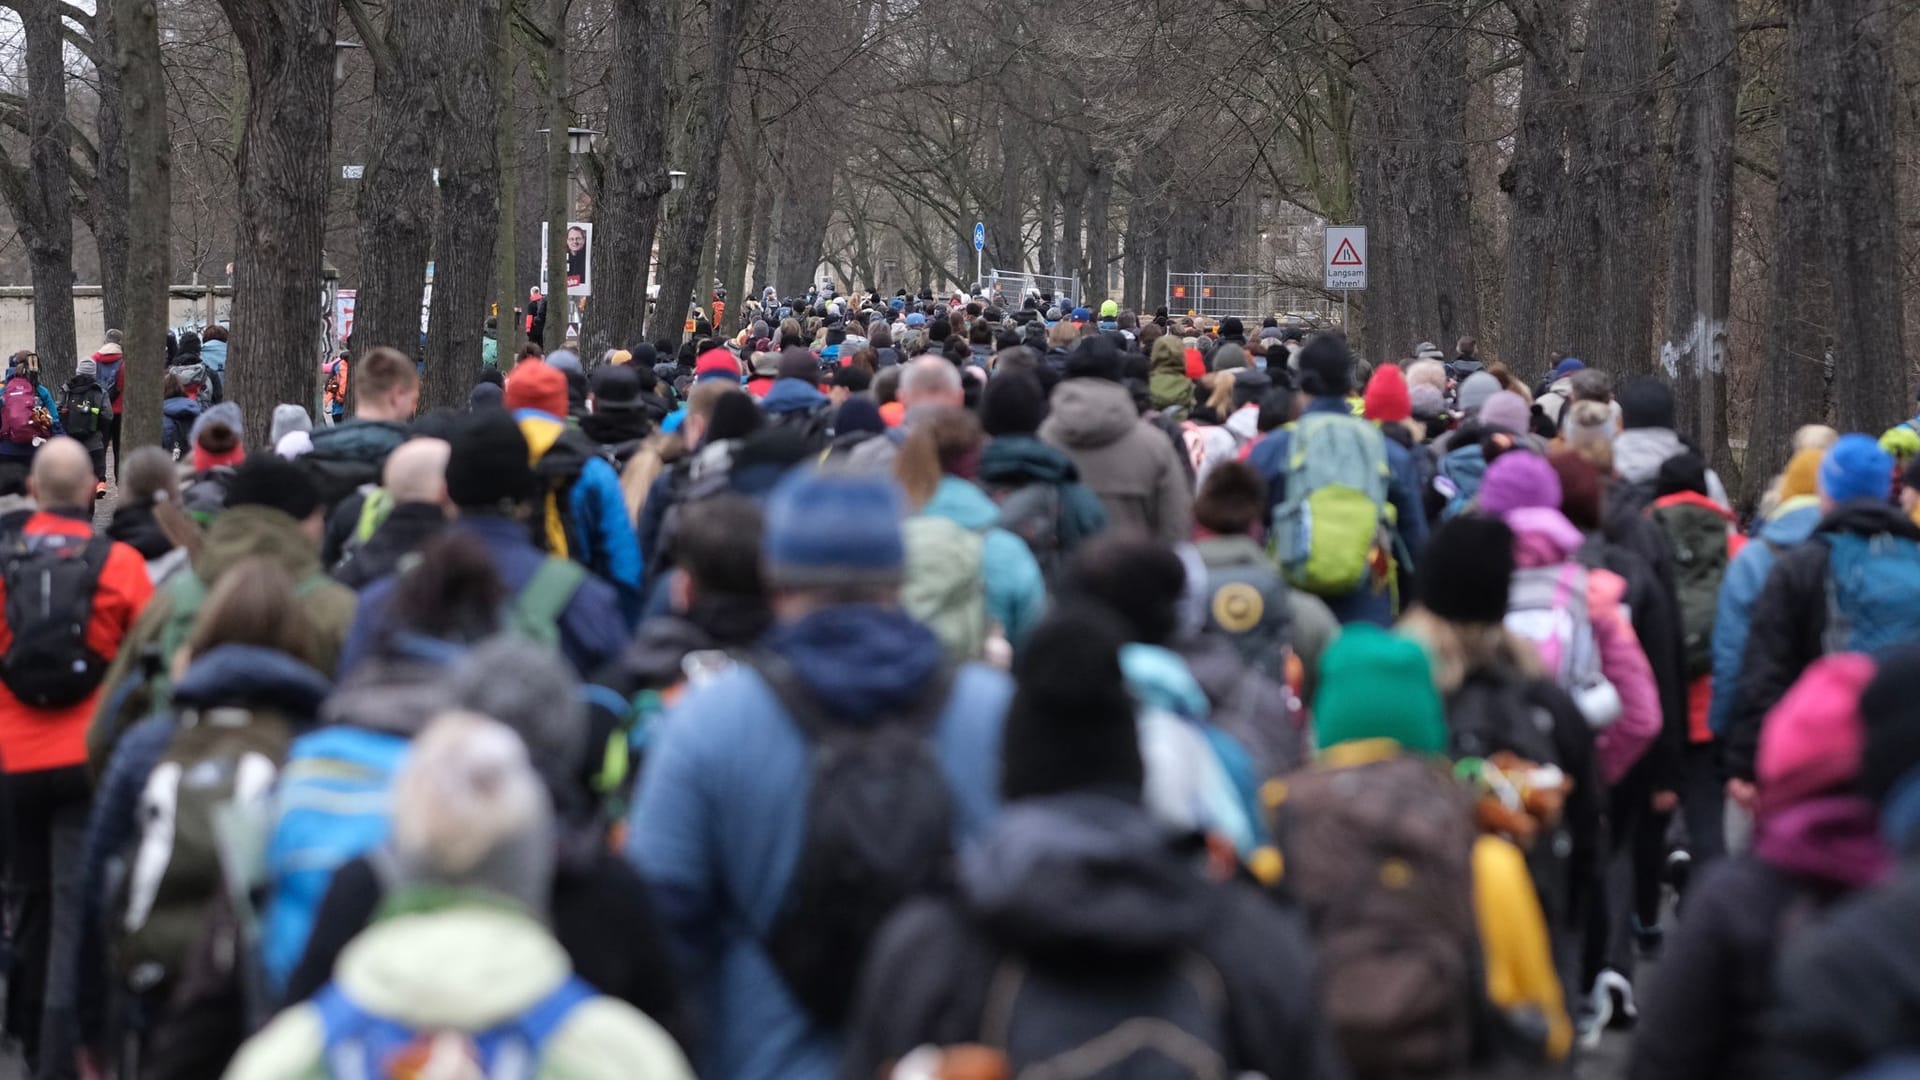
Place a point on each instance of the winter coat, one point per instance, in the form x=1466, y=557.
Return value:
x=1788, y=627
x=714, y=828
x=1089, y=883
x=110, y=372
x=1544, y=537
x=1656, y=624
x=214, y=355
x=348, y=456
x=407, y=529
x=1210, y=445
x=1849, y=989
x=1012, y=462
x=1016, y=594
x=1269, y=456
x=133, y=524
x=176, y=420
x=236, y=535
x=1131, y=465
x=1198, y=778
x=467, y=966
x=598, y=511
x=1638, y=454
x=619, y=428
x=1701, y=690
x=592, y=629
x=1789, y=525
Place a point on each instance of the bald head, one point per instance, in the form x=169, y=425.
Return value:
x=416, y=472
x=931, y=380
x=62, y=476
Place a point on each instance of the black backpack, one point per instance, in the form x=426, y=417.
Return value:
x=81, y=408
x=879, y=831
x=1167, y=1021
x=50, y=582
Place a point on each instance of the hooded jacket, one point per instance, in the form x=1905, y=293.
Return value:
x=1700, y=692
x=1198, y=779
x=714, y=832
x=1849, y=988
x=1087, y=883
x=1016, y=594
x=349, y=455
x=176, y=419
x=133, y=524
x=620, y=428
x=1131, y=465
x=408, y=528
x=1788, y=627
x=469, y=966
x=107, y=371
x=1012, y=462
x=1544, y=537
x=1790, y=524
x=1638, y=454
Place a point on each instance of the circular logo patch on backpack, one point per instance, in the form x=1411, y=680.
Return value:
x=1237, y=607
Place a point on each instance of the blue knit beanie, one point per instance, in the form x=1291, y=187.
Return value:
x=1856, y=468
x=834, y=530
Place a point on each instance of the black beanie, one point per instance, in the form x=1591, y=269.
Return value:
x=1892, y=722
x=1680, y=473
x=1095, y=357
x=266, y=479
x=735, y=416
x=1013, y=404
x=488, y=465
x=1646, y=402
x=1465, y=571
x=1071, y=725
x=1326, y=367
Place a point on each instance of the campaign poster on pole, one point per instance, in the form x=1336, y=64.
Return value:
x=579, y=258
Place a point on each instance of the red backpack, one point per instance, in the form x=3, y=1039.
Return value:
x=18, y=399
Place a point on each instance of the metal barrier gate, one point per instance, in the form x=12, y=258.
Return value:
x=1245, y=297
x=1009, y=288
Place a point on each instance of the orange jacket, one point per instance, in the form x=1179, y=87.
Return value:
x=34, y=739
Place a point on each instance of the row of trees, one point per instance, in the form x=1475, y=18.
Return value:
x=1710, y=188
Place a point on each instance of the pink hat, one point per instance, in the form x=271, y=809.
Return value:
x=1810, y=742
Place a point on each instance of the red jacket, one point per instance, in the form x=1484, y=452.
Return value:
x=34, y=739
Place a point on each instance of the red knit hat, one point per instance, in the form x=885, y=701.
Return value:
x=714, y=363
x=1196, y=364
x=536, y=384
x=1388, y=400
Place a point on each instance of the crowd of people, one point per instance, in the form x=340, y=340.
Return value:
x=909, y=688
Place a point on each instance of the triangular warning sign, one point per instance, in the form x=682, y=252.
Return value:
x=1344, y=255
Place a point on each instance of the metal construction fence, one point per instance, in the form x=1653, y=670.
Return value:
x=1009, y=288
x=1245, y=297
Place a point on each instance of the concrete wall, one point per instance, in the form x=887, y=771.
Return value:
x=187, y=306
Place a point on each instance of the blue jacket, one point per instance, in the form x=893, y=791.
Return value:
x=176, y=420
x=214, y=355
x=592, y=629
x=716, y=826
x=1269, y=456
x=1016, y=593
x=1792, y=523
x=791, y=396
x=599, y=513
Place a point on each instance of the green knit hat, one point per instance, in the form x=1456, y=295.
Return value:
x=1378, y=685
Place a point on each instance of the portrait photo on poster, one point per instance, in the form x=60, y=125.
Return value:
x=579, y=258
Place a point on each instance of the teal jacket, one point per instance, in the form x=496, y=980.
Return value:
x=1016, y=593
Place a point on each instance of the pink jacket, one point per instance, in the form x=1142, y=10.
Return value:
x=1544, y=537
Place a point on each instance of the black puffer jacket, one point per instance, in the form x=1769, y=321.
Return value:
x=1650, y=598
x=1849, y=989
x=1788, y=627
x=1085, y=886
x=133, y=524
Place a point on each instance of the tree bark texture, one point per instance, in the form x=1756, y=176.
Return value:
x=466, y=43
x=1095, y=280
x=633, y=181
x=110, y=175
x=1700, y=238
x=806, y=208
x=746, y=233
x=506, y=135
x=1532, y=183
x=277, y=317
x=143, y=89
x=559, y=187
x=689, y=231
x=396, y=198
x=47, y=224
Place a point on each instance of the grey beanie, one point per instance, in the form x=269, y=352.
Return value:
x=1476, y=390
x=534, y=693
x=470, y=812
x=288, y=419
x=226, y=413
x=565, y=360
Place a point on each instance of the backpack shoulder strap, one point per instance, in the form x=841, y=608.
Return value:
x=813, y=719
x=548, y=592
x=545, y=1017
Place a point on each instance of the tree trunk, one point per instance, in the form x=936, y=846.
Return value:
x=1048, y=265
x=277, y=317
x=627, y=213
x=1700, y=247
x=1532, y=182
x=396, y=198
x=143, y=88
x=745, y=235
x=1073, y=209
x=806, y=208
x=507, y=295
x=1006, y=246
x=688, y=232
x=766, y=194
x=1096, y=280
x=110, y=175
x=48, y=222
x=466, y=41
x=1133, y=263
x=559, y=160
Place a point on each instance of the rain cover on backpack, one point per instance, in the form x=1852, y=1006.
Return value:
x=1335, y=515
x=945, y=587
x=1873, y=592
x=1547, y=606
x=1166, y=1023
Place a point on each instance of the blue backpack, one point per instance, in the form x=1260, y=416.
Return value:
x=362, y=1046
x=332, y=806
x=1873, y=592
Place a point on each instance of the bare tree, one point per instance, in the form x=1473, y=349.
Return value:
x=395, y=201
x=47, y=217
x=559, y=188
x=137, y=59
x=467, y=41
x=633, y=179
x=110, y=222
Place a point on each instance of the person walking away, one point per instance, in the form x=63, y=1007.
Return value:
x=1076, y=919
x=290, y=421
x=1377, y=843
x=771, y=915
x=28, y=417
x=1037, y=487
x=414, y=483
x=148, y=517
x=1347, y=524
x=347, y=455
x=334, y=390
x=219, y=447
x=1124, y=459
x=67, y=601
x=464, y=975
x=580, y=511
x=191, y=367
x=110, y=369
x=926, y=383
x=273, y=511
x=246, y=687
x=617, y=417
x=968, y=579
x=492, y=485
x=178, y=414
x=1646, y=441
x=213, y=354
x=83, y=409
x=1818, y=842
x=1853, y=587
x=1464, y=363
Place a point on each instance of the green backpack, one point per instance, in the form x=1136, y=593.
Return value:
x=1698, y=537
x=1336, y=514
x=945, y=587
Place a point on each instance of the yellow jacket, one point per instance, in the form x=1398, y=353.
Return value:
x=1513, y=940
